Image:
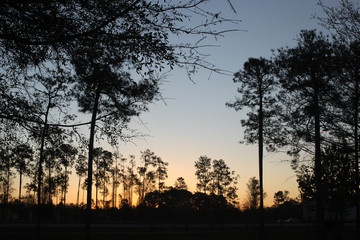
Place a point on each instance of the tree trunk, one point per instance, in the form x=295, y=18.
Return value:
x=96, y=194
x=90, y=163
x=261, y=142
x=318, y=167
x=104, y=189
x=78, y=192
x=8, y=183
x=49, y=183
x=356, y=138
x=65, y=186
x=41, y=159
x=20, y=182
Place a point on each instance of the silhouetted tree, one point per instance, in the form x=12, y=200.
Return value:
x=258, y=86
x=103, y=160
x=222, y=178
x=338, y=178
x=203, y=173
x=344, y=21
x=115, y=175
x=53, y=166
x=130, y=180
x=6, y=163
x=253, y=194
x=81, y=170
x=346, y=124
x=160, y=172
x=67, y=155
x=306, y=76
x=23, y=156
x=216, y=177
x=180, y=184
x=280, y=197
x=146, y=176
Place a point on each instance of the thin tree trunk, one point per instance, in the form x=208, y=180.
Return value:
x=261, y=141
x=8, y=183
x=41, y=159
x=49, y=183
x=20, y=182
x=65, y=177
x=90, y=163
x=96, y=195
x=356, y=137
x=318, y=167
x=78, y=192
x=104, y=189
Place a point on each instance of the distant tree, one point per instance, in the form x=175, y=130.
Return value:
x=252, y=200
x=180, y=184
x=67, y=155
x=115, y=172
x=53, y=170
x=103, y=161
x=280, y=197
x=216, y=177
x=146, y=175
x=203, y=173
x=222, y=177
x=81, y=170
x=131, y=180
x=6, y=174
x=168, y=199
x=209, y=203
x=23, y=157
x=161, y=172
x=31, y=186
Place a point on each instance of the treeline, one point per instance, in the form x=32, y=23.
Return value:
x=117, y=179
x=173, y=204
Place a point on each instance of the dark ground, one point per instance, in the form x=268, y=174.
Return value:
x=176, y=231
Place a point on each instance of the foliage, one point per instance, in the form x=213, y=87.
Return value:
x=306, y=75
x=180, y=184
x=253, y=194
x=257, y=89
x=215, y=176
x=338, y=176
x=138, y=30
x=281, y=197
x=180, y=204
x=203, y=173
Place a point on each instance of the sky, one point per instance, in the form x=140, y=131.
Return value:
x=193, y=120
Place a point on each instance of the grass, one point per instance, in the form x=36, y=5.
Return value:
x=113, y=232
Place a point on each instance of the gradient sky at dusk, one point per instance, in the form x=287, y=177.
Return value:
x=195, y=121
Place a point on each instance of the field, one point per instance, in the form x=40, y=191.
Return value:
x=176, y=231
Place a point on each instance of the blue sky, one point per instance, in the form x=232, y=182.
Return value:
x=195, y=121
